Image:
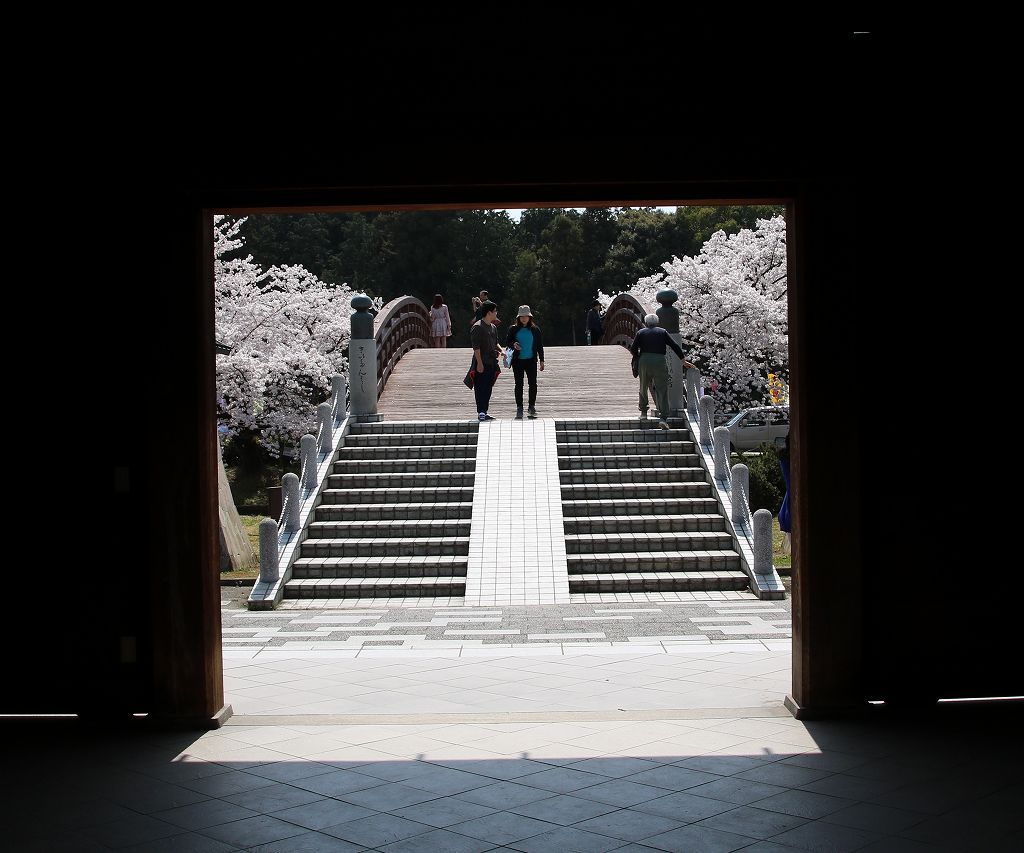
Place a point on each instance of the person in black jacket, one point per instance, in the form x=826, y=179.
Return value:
x=525, y=339
x=651, y=344
x=594, y=326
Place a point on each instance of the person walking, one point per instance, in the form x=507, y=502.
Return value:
x=594, y=326
x=651, y=344
x=440, y=323
x=528, y=354
x=486, y=352
x=785, y=519
x=477, y=303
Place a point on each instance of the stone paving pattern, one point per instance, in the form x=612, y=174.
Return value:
x=724, y=616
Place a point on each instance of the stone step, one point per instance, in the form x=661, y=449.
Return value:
x=584, y=526
x=412, y=427
x=387, y=546
x=679, y=581
x=440, y=587
x=408, y=479
x=639, y=460
x=652, y=433
x=432, y=439
x=626, y=448
x=404, y=466
x=584, y=504
x=622, y=423
x=408, y=451
x=453, y=494
x=641, y=542
x=612, y=491
x=380, y=567
x=653, y=561
x=639, y=474
x=401, y=528
x=431, y=511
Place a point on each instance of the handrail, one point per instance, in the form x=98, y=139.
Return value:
x=752, y=538
x=278, y=537
x=623, y=319
x=403, y=324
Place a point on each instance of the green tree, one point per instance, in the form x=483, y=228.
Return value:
x=644, y=242
x=705, y=221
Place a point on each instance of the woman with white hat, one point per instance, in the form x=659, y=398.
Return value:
x=528, y=354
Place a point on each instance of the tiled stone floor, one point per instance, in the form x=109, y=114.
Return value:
x=361, y=629
x=668, y=747
x=719, y=783
x=739, y=675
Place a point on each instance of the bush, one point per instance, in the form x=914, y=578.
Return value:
x=767, y=485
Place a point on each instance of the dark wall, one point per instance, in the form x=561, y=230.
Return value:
x=134, y=343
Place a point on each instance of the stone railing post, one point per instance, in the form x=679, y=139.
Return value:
x=692, y=394
x=307, y=452
x=326, y=425
x=668, y=319
x=740, y=494
x=706, y=405
x=339, y=388
x=762, y=542
x=362, y=359
x=269, y=565
x=290, y=485
x=721, y=453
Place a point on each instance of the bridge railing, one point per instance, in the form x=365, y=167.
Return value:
x=280, y=540
x=403, y=324
x=752, y=537
x=623, y=319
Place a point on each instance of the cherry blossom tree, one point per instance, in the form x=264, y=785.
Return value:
x=288, y=332
x=732, y=306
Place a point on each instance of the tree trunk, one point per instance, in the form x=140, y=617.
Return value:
x=235, y=550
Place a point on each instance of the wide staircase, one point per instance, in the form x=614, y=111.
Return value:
x=395, y=515
x=639, y=511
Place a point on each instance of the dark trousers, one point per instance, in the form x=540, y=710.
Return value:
x=483, y=385
x=528, y=367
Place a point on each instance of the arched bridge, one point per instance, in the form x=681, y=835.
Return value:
x=422, y=503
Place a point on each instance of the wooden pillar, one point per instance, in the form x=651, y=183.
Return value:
x=825, y=363
x=187, y=673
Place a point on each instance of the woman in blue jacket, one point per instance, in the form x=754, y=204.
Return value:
x=528, y=354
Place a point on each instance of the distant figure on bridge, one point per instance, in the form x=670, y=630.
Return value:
x=524, y=337
x=651, y=344
x=486, y=352
x=478, y=303
x=440, y=323
x=594, y=326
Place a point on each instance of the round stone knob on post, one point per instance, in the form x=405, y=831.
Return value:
x=326, y=424
x=721, y=453
x=763, y=542
x=339, y=388
x=362, y=359
x=307, y=451
x=290, y=484
x=706, y=405
x=740, y=494
x=269, y=566
x=668, y=319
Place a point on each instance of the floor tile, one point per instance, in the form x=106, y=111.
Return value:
x=253, y=830
x=378, y=830
x=502, y=827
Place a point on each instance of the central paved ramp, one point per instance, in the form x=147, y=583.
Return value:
x=517, y=545
x=577, y=382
